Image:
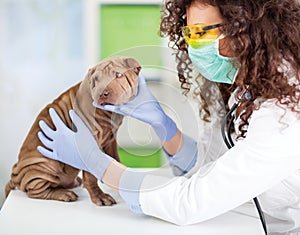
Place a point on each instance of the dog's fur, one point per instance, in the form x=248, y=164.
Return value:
x=113, y=81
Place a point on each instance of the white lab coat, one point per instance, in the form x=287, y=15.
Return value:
x=265, y=164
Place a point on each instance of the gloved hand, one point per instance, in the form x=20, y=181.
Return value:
x=78, y=149
x=146, y=108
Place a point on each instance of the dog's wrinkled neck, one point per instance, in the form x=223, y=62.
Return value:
x=83, y=102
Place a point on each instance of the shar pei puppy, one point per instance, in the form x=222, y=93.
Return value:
x=105, y=83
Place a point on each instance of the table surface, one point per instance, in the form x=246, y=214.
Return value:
x=22, y=215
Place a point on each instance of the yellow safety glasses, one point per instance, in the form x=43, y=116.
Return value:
x=199, y=35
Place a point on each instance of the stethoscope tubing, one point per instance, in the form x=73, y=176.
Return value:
x=226, y=134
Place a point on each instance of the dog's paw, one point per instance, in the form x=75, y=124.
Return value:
x=66, y=196
x=58, y=194
x=103, y=199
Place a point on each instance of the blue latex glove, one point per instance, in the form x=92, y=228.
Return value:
x=78, y=149
x=146, y=108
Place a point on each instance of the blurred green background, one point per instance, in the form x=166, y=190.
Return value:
x=124, y=28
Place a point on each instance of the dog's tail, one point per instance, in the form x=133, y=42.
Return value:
x=9, y=186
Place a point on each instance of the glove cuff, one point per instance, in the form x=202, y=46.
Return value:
x=129, y=188
x=184, y=160
x=165, y=130
x=97, y=162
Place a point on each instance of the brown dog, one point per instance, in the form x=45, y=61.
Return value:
x=43, y=178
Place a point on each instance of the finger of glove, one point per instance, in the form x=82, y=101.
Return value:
x=46, y=142
x=109, y=107
x=83, y=137
x=144, y=93
x=77, y=121
x=47, y=130
x=58, y=123
x=128, y=109
x=125, y=109
x=141, y=79
x=45, y=152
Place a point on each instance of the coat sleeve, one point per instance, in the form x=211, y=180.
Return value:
x=265, y=157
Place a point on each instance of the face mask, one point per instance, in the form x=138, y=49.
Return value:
x=211, y=64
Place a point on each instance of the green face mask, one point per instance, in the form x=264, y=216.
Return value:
x=211, y=64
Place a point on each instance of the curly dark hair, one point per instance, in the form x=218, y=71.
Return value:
x=264, y=36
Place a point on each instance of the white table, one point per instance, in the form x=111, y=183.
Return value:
x=21, y=215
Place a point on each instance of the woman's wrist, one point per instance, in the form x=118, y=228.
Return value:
x=112, y=175
x=126, y=182
x=186, y=156
x=173, y=145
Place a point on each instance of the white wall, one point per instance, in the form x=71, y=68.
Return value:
x=41, y=55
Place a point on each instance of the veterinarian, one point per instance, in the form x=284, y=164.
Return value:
x=251, y=51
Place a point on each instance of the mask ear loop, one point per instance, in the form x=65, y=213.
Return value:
x=222, y=36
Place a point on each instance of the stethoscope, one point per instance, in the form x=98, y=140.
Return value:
x=226, y=126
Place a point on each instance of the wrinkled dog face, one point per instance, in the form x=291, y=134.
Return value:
x=114, y=80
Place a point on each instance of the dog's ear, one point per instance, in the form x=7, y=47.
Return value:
x=132, y=63
x=89, y=75
x=137, y=70
x=91, y=71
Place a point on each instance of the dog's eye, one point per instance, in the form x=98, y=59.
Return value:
x=96, y=78
x=118, y=75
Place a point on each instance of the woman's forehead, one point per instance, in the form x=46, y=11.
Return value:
x=198, y=13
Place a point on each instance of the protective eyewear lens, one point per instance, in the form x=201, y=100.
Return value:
x=199, y=35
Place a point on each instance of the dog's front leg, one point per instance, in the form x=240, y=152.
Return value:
x=90, y=182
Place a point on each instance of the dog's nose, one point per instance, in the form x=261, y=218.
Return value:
x=103, y=97
x=104, y=94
